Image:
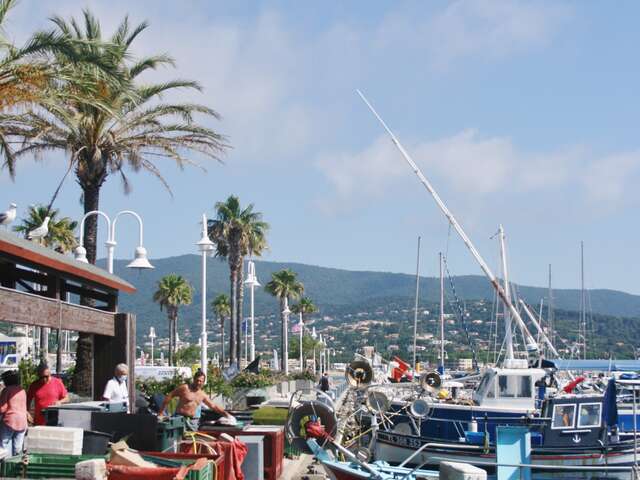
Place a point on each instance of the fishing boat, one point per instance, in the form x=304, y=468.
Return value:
x=567, y=429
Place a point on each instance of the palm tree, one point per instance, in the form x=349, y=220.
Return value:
x=173, y=291
x=131, y=129
x=284, y=285
x=303, y=307
x=29, y=75
x=237, y=232
x=222, y=308
x=61, y=236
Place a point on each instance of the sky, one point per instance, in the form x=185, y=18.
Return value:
x=523, y=114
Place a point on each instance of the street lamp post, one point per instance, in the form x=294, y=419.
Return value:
x=314, y=335
x=252, y=282
x=285, y=337
x=301, y=325
x=152, y=337
x=321, y=355
x=140, y=260
x=205, y=246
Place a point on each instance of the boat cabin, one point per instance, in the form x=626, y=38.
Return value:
x=574, y=420
x=508, y=388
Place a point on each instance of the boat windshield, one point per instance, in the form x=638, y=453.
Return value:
x=514, y=386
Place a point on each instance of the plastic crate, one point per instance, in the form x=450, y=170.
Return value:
x=274, y=444
x=164, y=459
x=57, y=440
x=43, y=465
x=168, y=433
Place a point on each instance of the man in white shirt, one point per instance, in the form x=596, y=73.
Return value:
x=116, y=389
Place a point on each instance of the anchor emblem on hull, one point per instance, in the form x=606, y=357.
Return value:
x=577, y=438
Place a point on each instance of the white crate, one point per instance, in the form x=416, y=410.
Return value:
x=62, y=440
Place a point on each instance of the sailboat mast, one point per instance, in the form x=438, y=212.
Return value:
x=508, y=329
x=583, y=318
x=415, y=310
x=531, y=344
x=441, y=315
x=550, y=311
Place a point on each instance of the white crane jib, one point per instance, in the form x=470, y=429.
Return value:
x=532, y=346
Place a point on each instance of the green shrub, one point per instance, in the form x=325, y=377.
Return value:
x=270, y=416
x=27, y=369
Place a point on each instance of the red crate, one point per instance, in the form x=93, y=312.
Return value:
x=273, y=445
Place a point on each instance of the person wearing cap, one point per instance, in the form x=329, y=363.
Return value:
x=45, y=392
x=116, y=389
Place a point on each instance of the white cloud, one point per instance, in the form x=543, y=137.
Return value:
x=609, y=180
x=279, y=86
x=491, y=28
x=478, y=166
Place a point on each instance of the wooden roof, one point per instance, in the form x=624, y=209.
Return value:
x=39, y=257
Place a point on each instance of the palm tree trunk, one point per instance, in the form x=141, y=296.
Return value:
x=222, y=340
x=234, y=316
x=175, y=337
x=240, y=310
x=170, y=319
x=82, y=381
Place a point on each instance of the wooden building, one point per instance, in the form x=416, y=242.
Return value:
x=41, y=287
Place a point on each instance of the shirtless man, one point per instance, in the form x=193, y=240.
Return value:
x=190, y=396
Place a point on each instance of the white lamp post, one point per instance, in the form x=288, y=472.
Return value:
x=252, y=282
x=314, y=335
x=301, y=325
x=152, y=337
x=321, y=355
x=205, y=246
x=285, y=337
x=140, y=260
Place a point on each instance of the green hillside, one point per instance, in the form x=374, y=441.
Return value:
x=335, y=290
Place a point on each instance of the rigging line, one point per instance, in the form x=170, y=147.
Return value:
x=461, y=313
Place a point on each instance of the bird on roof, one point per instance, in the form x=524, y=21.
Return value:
x=9, y=216
x=41, y=231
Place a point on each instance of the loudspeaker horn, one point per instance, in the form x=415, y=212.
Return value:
x=430, y=381
x=359, y=373
x=378, y=401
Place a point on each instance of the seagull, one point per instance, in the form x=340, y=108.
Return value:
x=41, y=231
x=9, y=216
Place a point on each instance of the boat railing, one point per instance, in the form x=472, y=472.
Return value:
x=584, y=468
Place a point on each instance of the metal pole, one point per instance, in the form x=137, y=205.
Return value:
x=415, y=310
x=253, y=337
x=635, y=430
x=301, y=334
x=550, y=311
x=508, y=330
x=467, y=241
x=583, y=319
x=441, y=315
x=203, y=335
x=152, y=352
x=285, y=334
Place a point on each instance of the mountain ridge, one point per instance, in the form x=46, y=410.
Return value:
x=333, y=287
